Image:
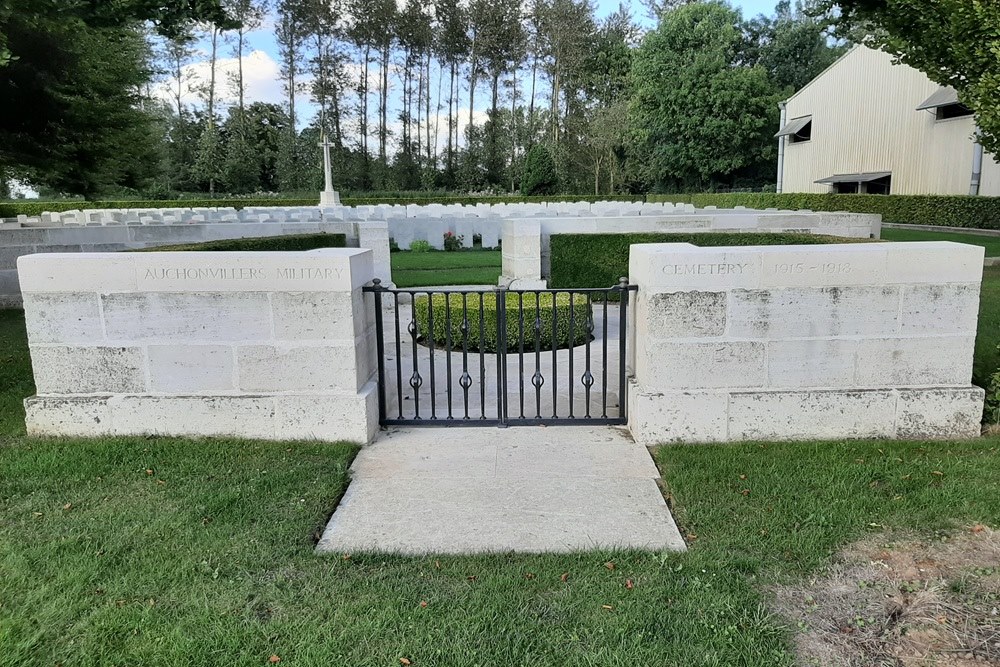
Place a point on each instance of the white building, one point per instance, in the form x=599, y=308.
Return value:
x=866, y=125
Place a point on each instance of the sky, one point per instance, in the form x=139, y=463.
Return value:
x=261, y=66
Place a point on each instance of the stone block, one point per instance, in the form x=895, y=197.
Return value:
x=934, y=262
x=814, y=312
x=88, y=370
x=333, y=418
x=194, y=317
x=939, y=414
x=199, y=416
x=657, y=418
x=682, y=314
x=809, y=415
x=915, y=362
x=280, y=368
x=824, y=265
x=81, y=417
x=940, y=309
x=817, y=363
x=76, y=273
x=190, y=369
x=673, y=366
x=66, y=318
x=337, y=316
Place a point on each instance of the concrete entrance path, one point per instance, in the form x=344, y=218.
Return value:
x=528, y=489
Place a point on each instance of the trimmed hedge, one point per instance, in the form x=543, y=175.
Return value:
x=291, y=243
x=544, y=314
x=34, y=208
x=938, y=210
x=599, y=260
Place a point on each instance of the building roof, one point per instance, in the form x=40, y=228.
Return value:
x=942, y=97
x=855, y=178
x=794, y=126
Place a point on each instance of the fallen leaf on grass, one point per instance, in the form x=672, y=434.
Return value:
x=565, y=577
x=745, y=492
x=610, y=565
x=743, y=477
x=37, y=514
x=607, y=607
x=404, y=661
x=149, y=471
x=691, y=537
x=274, y=660
x=472, y=577
x=529, y=575
x=68, y=506
x=423, y=604
x=978, y=528
x=937, y=472
x=629, y=585
x=437, y=564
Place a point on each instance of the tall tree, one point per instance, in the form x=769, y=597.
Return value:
x=699, y=116
x=290, y=32
x=452, y=47
x=248, y=15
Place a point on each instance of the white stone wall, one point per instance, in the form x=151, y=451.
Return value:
x=17, y=240
x=804, y=342
x=517, y=267
x=250, y=344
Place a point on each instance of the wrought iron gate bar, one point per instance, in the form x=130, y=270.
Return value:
x=573, y=330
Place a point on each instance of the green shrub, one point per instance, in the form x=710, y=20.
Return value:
x=468, y=304
x=992, y=412
x=292, y=243
x=420, y=245
x=540, y=176
x=600, y=260
x=939, y=210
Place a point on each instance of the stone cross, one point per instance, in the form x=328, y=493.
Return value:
x=329, y=196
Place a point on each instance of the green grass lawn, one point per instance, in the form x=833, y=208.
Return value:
x=469, y=267
x=164, y=551
x=991, y=243
x=987, y=359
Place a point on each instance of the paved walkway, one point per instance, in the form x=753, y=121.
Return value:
x=528, y=489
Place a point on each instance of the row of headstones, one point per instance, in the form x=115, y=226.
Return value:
x=434, y=230
x=380, y=212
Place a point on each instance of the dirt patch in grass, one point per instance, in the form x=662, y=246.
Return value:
x=896, y=600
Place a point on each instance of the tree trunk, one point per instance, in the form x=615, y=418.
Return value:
x=513, y=127
x=472, y=82
x=383, y=129
x=363, y=102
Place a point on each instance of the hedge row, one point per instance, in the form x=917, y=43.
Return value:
x=599, y=260
x=292, y=243
x=461, y=306
x=941, y=210
x=34, y=208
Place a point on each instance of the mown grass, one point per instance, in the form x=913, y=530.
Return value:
x=163, y=551
x=423, y=269
x=987, y=359
x=991, y=243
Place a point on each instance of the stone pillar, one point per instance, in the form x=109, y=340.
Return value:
x=522, y=255
x=374, y=236
x=805, y=342
x=269, y=345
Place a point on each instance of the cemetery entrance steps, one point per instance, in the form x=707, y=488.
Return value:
x=526, y=490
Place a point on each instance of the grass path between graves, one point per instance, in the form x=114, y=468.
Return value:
x=469, y=267
x=164, y=551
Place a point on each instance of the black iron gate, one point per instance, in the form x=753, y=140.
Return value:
x=502, y=357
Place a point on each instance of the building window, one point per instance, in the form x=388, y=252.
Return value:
x=870, y=183
x=802, y=135
x=952, y=111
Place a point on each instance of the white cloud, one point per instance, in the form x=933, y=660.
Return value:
x=261, y=79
